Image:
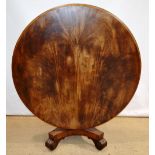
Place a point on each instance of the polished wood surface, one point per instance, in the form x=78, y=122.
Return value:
x=76, y=66
x=58, y=134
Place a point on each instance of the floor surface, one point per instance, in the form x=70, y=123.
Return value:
x=125, y=136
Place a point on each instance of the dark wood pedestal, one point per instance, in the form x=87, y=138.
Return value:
x=92, y=133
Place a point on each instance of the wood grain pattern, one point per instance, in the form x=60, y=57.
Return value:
x=76, y=66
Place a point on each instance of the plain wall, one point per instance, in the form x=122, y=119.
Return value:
x=134, y=13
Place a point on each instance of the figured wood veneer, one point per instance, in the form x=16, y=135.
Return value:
x=76, y=66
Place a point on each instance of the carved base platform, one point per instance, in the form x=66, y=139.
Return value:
x=92, y=133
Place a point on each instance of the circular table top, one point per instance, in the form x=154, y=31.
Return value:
x=76, y=66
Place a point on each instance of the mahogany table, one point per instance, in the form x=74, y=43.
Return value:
x=75, y=67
